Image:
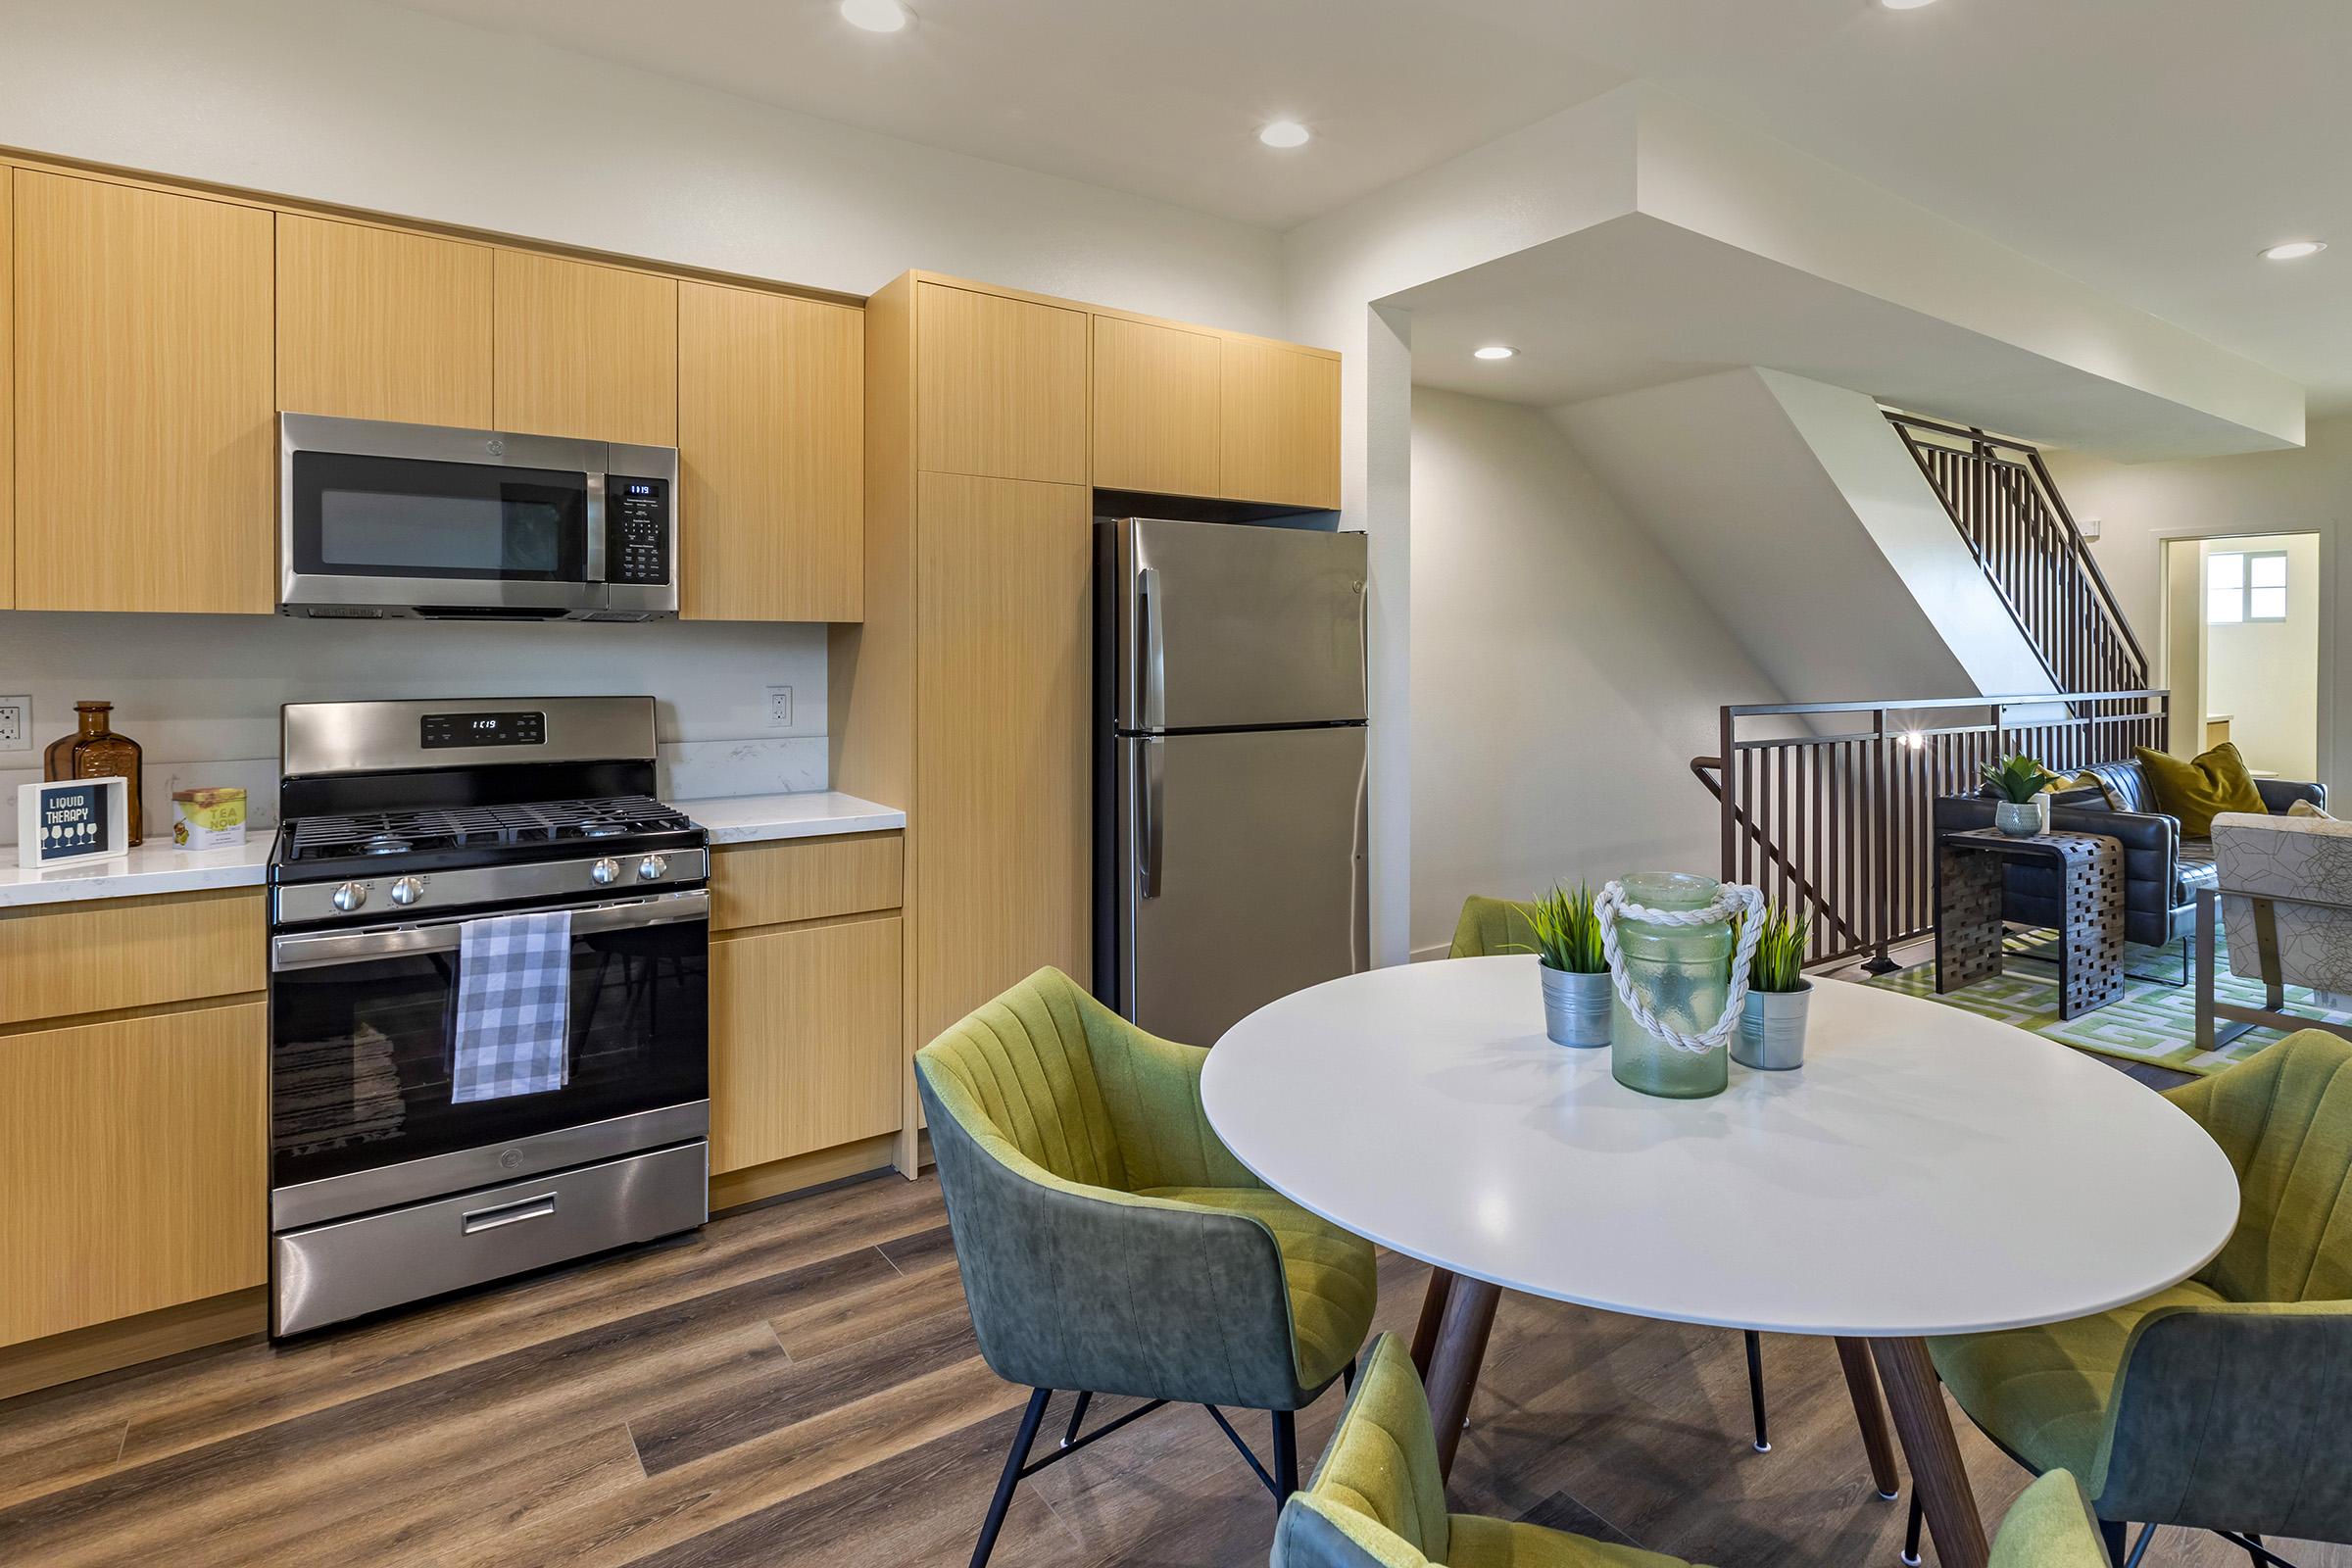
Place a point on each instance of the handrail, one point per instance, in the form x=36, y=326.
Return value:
x=1828, y=912
x=2018, y=530
x=1838, y=817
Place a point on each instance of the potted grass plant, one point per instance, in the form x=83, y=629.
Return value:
x=2022, y=809
x=1574, y=968
x=1772, y=1021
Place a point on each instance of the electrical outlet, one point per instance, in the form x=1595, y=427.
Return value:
x=16, y=723
x=779, y=708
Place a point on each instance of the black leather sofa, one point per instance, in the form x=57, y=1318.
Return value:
x=2162, y=871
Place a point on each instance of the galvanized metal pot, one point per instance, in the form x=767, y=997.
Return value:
x=1772, y=1029
x=1575, y=1006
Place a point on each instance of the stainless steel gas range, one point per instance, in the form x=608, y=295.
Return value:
x=403, y=821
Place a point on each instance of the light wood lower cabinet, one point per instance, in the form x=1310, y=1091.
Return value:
x=133, y=1162
x=145, y=400
x=59, y=960
x=804, y=1041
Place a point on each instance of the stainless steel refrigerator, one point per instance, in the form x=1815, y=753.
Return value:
x=1229, y=769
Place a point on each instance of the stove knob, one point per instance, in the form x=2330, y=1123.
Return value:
x=651, y=868
x=605, y=872
x=348, y=897
x=407, y=890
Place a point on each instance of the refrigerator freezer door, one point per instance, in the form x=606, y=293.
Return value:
x=1227, y=626
x=1242, y=876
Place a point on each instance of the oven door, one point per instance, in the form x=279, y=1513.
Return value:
x=398, y=516
x=361, y=1060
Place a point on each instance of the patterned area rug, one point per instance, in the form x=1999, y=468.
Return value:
x=2154, y=1022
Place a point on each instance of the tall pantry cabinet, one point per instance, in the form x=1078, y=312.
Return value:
x=963, y=695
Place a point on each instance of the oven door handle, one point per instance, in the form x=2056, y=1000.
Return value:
x=328, y=948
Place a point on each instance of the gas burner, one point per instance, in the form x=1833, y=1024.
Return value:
x=522, y=827
x=384, y=844
x=602, y=828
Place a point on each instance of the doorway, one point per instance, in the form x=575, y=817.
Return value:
x=2241, y=647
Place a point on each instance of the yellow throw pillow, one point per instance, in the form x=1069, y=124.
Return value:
x=2306, y=809
x=2086, y=781
x=2198, y=791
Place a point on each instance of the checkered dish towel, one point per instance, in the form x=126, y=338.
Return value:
x=514, y=999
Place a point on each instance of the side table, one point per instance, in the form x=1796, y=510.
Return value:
x=1969, y=933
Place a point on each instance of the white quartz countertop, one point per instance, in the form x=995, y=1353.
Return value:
x=807, y=814
x=157, y=867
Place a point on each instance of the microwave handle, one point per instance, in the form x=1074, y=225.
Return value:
x=325, y=949
x=594, y=568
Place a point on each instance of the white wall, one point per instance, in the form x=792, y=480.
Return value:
x=1564, y=672
x=2265, y=674
x=2308, y=490
x=377, y=107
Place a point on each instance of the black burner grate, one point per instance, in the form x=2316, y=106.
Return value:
x=389, y=833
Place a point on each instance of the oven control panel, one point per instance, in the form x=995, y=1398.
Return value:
x=636, y=530
x=442, y=731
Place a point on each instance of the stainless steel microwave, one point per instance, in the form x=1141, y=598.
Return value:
x=377, y=518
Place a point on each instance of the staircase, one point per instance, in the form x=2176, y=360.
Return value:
x=1998, y=494
x=1829, y=806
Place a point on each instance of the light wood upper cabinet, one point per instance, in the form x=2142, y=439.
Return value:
x=377, y=324
x=1000, y=738
x=134, y=1155
x=145, y=400
x=1156, y=395
x=805, y=1040
x=771, y=426
x=8, y=419
x=1281, y=425
x=586, y=350
x=1000, y=386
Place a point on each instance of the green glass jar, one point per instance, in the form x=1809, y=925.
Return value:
x=1683, y=975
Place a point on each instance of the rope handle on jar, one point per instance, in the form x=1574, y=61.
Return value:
x=1735, y=898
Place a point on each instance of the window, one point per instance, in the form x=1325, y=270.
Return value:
x=2242, y=586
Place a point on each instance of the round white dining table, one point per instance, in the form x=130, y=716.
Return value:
x=1926, y=1171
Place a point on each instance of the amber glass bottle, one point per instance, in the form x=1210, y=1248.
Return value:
x=95, y=751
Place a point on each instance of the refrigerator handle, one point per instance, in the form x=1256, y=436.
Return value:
x=1151, y=652
x=1148, y=803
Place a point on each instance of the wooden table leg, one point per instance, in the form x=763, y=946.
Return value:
x=1460, y=1349
x=1916, y=1398
x=1433, y=1308
x=1862, y=1385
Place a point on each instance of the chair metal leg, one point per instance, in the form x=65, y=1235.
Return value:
x=2139, y=1545
x=1286, y=1456
x=1031, y=1419
x=1755, y=1389
x=1077, y=1414
x=1911, y=1532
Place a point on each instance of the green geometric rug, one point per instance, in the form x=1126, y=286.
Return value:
x=2152, y=1022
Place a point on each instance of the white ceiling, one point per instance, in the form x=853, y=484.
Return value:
x=1163, y=98
x=1640, y=302
x=2149, y=147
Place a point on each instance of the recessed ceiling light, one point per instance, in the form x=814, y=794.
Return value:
x=876, y=16
x=1284, y=133
x=1904, y=5
x=1493, y=351
x=2294, y=250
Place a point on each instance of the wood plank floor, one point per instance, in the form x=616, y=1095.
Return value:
x=799, y=1382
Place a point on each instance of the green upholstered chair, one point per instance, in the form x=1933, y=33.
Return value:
x=1110, y=1244
x=2221, y=1403
x=1490, y=926
x=1376, y=1502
